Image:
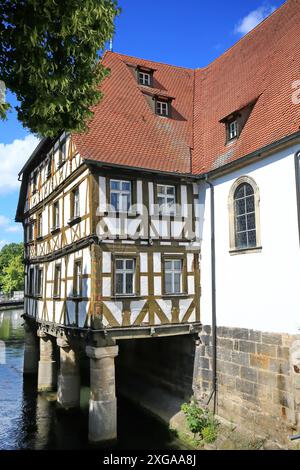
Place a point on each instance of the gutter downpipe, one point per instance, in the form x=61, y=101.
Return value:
x=213, y=295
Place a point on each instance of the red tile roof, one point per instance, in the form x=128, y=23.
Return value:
x=125, y=130
x=262, y=66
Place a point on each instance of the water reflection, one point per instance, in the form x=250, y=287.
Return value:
x=31, y=421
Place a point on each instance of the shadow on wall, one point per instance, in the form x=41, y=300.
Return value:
x=157, y=373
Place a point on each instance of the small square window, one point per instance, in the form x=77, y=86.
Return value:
x=162, y=108
x=144, y=78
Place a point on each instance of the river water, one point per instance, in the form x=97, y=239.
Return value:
x=30, y=421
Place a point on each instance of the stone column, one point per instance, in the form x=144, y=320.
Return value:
x=31, y=353
x=68, y=392
x=47, y=366
x=103, y=402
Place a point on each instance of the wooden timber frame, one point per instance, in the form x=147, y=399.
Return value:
x=150, y=311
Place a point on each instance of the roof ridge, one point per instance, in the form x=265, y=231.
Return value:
x=149, y=60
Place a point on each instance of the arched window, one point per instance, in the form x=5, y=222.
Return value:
x=244, y=215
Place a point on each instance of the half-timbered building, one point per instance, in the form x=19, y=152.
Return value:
x=179, y=163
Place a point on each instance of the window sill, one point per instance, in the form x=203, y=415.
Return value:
x=74, y=221
x=56, y=297
x=39, y=238
x=244, y=251
x=55, y=230
x=120, y=213
x=60, y=164
x=124, y=296
x=182, y=294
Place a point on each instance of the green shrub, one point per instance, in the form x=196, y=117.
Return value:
x=200, y=421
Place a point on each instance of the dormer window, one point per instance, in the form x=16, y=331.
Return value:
x=144, y=78
x=232, y=129
x=162, y=108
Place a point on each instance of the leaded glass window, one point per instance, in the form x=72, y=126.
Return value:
x=244, y=213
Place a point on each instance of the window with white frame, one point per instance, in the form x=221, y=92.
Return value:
x=57, y=280
x=39, y=222
x=144, y=78
x=232, y=129
x=30, y=231
x=120, y=195
x=162, y=108
x=166, y=199
x=76, y=203
x=244, y=212
x=173, y=276
x=124, y=276
x=31, y=281
x=56, y=215
x=77, y=286
x=39, y=282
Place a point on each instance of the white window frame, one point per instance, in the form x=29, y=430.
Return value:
x=173, y=271
x=233, y=129
x=39, y=281
x=57, y=294
x=164, y=208
x=77, y=286
x=162, y=108
x=56, y=215
x=144, y=78
x=39, y=227
x=31, y=280
x=232, y=216
x=123, y=195
x=124, y=271
x=76, y=203
x=30, y=231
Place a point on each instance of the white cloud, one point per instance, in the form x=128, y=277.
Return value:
x=8, y=225
x=12, y=158
x=14, y=228
x=3, y=221
x=255, y=17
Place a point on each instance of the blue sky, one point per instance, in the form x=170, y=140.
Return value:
x=189, y=34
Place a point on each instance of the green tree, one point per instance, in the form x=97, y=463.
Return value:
x=11, y=257
x=49, y=57
x=13, y=275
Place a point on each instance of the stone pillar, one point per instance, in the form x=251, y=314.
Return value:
x=31, y=353
x=295, y=375
x=68, y=392
x=47, y=366
x=103, y=403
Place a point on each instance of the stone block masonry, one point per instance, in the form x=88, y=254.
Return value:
x=258, y=379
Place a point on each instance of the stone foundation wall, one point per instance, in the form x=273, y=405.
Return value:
x=258, y=379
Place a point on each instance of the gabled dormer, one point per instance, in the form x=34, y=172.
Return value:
x=144, y=76
x=235, y=122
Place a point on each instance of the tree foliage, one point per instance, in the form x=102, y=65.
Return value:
x=49, y=57
x=11, y=268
